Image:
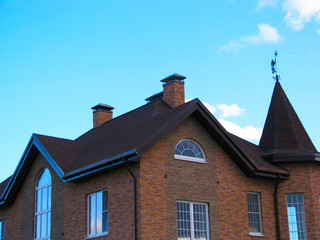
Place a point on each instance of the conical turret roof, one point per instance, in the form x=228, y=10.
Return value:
x=283, y=134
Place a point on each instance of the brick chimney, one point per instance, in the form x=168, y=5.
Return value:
x=101, y=114
x=173, y=89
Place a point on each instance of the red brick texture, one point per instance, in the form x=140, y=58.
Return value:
x=152, y=194
x=100, y=117
x=304, y=178
x=191, y=181
x=233, y=210
x=69, y=205
x=173, y=93
x=163, y=180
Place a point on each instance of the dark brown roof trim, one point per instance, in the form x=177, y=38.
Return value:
x=271, y=175
x=290, y=158
x=215, y=129
x=102, y=165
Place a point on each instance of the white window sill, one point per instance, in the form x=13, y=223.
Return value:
x=97, y=236
x=255, y=234
x=190, y=159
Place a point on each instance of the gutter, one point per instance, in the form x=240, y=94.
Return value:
x=101, y=165
x=125, y=163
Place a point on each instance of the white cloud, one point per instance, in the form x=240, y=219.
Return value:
x=318, y=31
x=232, y=45
x=266, y=34
x=211, y=108
x=265, y=4
x=300, y=12
x=248, y=132
x=230, y=110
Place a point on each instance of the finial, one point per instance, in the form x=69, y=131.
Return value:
x=274, y=67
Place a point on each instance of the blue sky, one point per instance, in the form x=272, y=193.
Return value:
x=60, y=58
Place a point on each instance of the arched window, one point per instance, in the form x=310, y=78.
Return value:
x=190, y=151
x=43, y=206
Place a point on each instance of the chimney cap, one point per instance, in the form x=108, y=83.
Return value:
x=102, y=106
x=173, y=77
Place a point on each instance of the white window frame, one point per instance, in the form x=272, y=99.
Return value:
x=187, y=158
x=192, y=217
x=255, y=233
x=2, y=229
x=293, y=224
x=96, y=234
x=46, y=212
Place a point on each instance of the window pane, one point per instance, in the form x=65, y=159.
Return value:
x=43, y=206
x=43, y=225
x=296, y=217
x=105, y=222
x=105, y=212
x=183, y=221
x=49, y=225
x=92, y=216
x=254, y=213
x=45, y=178
x=38, y=226
x=44, y=199
x=188, y=148
x=39, y=200
x=2, y=226
x=49, y=197
x=99, y=212
x=200, y=221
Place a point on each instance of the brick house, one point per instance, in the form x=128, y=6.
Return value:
x=167, y=170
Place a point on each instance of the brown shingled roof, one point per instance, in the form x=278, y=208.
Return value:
x=253, y=152
x=283, y=132
x=132, y=134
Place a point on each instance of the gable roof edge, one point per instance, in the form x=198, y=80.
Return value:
x=33, y=142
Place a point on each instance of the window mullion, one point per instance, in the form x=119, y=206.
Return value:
x=191, y=221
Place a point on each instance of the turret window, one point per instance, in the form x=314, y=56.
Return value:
x=189, y=150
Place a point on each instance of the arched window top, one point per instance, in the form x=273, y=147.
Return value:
x=189, y=150
x=44, y=178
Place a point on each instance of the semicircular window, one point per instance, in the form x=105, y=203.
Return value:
x=189, y=150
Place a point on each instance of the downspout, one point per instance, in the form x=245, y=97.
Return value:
x=276, y=209
x=134, y=198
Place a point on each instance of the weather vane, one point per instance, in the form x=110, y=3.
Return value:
x=274, y=67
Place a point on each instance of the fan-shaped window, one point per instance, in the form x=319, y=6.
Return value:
x=189, y=150
x=43, y=206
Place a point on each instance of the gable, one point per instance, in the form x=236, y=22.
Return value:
x=128, y=137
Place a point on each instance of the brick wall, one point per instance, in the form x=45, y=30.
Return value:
x=19, y=216
x=304, y=178
x=121, y=207
x=69, y=205
x=191, y=181
x=233, y=211
x=152, y=194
